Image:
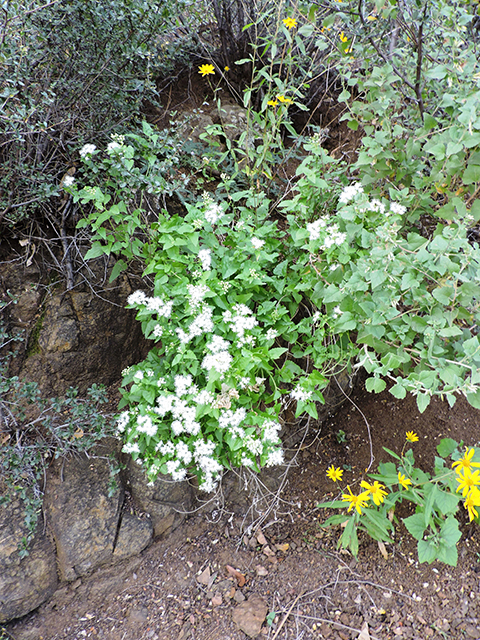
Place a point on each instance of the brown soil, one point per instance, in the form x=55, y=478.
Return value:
x=311, y=590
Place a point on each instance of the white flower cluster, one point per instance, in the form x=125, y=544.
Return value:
x=122, y=421
x=232, y=420
x=146, y=426
x=314, y=228
x=350, y=193
x=241, y=320
x=211, y=468
x=300, y=394
x=219, y=359
x=333, y=237
x=376, y=205
x=68, y=181
x=398, y=209
x=257, y=243
x=213, y=213
x=116, y=143
x=155, y=304
x=202, y=323
x=87, y=150
x=196, y=294
x=205, y=257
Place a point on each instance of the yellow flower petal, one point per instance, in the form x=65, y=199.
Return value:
x=206, y=70
x=411, y=437
x=334, y=473
x=290, y=23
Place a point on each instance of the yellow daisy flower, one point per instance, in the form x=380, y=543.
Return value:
x=466, y=461
x=375, y=490
x=206, y=70
x=472, y=501
x=334, y=473
x=343, y=37
x=359, y=502
x=283, y=99
x=272, y=103
x=467, y=481
x=290, y=23
x=411, y=437
x=403, y=480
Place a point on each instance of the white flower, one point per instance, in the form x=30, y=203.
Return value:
x=257, y=243
x=183, y=452
x=219, y=361
x=165, y=404
x=376, y=205
x=68, y=181
x=270, y=430
x=314, y=228
x=218, y=344
x=131, y=447
x=158, y=306
x=350, y=192
x=136, y=298
x=182, y=384
x=399, y=209
x=253, y=445
x=204, y=397
x=177, y=427
x=165, y=448
x=274, y=457
x=157, y=331
x=113, y=146
x=213, y=213
x=301, y=395
x=138, y=375
x=205, y=257
x=271, y=334
x=122, y=421
x=87, y=149
x=196, y=293
x=145, y=425
x=316, y=317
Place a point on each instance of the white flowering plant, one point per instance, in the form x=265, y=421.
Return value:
x=250, y=308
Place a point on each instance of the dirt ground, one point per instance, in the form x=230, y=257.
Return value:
x=288, y=568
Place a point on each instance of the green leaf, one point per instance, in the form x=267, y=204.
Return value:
x=423, y=400
x=376, y=385
x=96, y=251
x=471, y=174
x=446, y=447
x=450, y=534
x=430, y=493
x=377, y=525
x=118, y=267
x=474, y=399
x=448, y=555
x=415, y=525
x=349, y=539
x=427, y=551
x=398, y=391
x=446, y=502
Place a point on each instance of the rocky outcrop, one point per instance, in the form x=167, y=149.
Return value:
x=83, y=517
x=167, y=502
x=24, y=582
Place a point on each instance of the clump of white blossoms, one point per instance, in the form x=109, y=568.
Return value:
x=213, y=213
x=87, y=150
x=350, y=193
x=330, y=231
x=155, y=304
x=68, y=181
x=300, y=394
x=398, y=209
x=205, y=257
x=257, y=243
x=241, y=320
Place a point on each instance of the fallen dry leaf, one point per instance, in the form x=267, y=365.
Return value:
x=261, y=571
x=364, y=633
x=282, y=547
x=239, y=577
x=260, y=537
x=268, y=552
x=382, y=548
x=204, y=577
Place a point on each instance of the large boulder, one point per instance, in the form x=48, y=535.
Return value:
x=24, y=582
x=82, y=514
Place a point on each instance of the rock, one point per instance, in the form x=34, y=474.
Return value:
x=249, y=615
x=134, y=536
x=24, y=582
x=166, y=501
x=81, y=514
x=82, y=339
